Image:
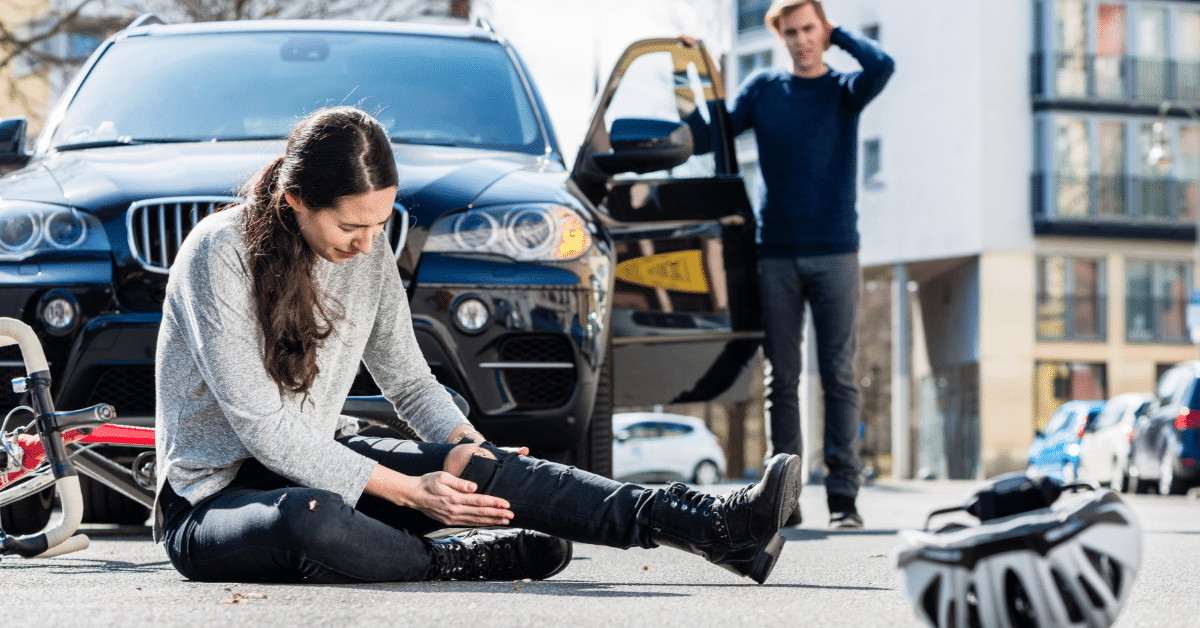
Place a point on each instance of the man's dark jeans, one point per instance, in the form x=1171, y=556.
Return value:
x=829, y=284
x=263, y=527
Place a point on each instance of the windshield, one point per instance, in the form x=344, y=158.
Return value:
x=426, y=90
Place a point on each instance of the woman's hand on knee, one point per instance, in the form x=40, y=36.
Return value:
x=441, y=496
x=453, y=501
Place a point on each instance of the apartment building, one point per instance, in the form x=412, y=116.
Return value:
x=1030, y=183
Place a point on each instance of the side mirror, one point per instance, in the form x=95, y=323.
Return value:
x=12, y=143
x=644, y=145
x=621, y=436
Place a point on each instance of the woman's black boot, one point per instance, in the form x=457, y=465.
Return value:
x=506, y=554
x=739, y=530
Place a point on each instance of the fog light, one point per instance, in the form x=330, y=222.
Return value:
x=471, y=315
x=59, y=312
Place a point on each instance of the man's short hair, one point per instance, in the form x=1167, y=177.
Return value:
x=783, y=8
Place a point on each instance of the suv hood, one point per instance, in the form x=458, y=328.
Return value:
x=433, y=179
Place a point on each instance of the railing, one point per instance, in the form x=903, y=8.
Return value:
x=1093, y=77
x=1149, y=319
x=1070, y=317
x=1124, y=199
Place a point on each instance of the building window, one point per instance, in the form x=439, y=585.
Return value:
x=872, y=31
x=1142, y=52
x=872, y=162
x=1156, y=297
x=751, y=14
x=1102, y=169
x=748, y=63
x=1070, y=298
x=1056, y=383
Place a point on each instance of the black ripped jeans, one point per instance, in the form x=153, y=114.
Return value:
x=264, y=528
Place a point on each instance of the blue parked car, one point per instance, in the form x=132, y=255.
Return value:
x=1055, y=449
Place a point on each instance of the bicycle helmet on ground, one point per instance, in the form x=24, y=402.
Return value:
x=1027, y=564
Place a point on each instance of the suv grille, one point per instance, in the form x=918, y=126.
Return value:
x=534, y=388
x=129, y=389
x=158, y=226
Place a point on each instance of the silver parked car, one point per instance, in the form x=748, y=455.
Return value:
x=661, y=447
x=1104, y=448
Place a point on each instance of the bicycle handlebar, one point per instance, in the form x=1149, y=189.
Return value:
x=56, y=539
x=13, y=331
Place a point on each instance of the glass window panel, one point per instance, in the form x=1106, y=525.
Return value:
x=1070, y=34
x=1085, y=298
x=1154, y=190
x=1139, y=308
x=1152, y=52
x=1052, y=291
x=1187, y=54
x=1110, y=184
x=1110, y=50
x=1171, y=292
x=1071, y=148
x=1189, y=164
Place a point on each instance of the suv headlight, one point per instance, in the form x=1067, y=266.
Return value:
x=522, y=232
x=28, y=228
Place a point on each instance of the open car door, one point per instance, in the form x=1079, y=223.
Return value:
x=658, y=162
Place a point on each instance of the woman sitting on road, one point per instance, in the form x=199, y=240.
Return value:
x=270, y=307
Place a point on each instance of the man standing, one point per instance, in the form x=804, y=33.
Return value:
x=805, y=120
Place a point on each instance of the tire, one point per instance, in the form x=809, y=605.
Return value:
x=1168, y=482
x=29, y=515
x=104, y=505
x=706, y=473
x=594, y=452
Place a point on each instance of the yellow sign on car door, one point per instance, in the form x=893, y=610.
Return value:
x=682, y=271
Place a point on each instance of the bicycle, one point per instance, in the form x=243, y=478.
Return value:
x=50, y=449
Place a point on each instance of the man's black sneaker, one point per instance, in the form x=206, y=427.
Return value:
x=845, y=521
x=843, y=515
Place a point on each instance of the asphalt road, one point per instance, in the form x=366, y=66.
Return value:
x=824, y=578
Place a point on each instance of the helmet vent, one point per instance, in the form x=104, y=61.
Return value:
x=1021, y=612
x=1108, y=569
x=1092, y=593
x=973, y=608
x=929, y=600
x=1073, y=611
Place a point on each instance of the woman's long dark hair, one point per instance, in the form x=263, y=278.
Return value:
x=334, y=152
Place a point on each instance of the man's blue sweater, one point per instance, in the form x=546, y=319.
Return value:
x=807, y=132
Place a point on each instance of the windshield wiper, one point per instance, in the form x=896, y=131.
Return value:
x=122, y=141
x=425, y=141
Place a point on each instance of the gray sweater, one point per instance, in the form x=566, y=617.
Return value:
x=216, y=404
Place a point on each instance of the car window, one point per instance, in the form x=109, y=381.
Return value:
x=1110, y=415
x=644, y=430
x=652, y=87
x=1193, y=395
x=229, y=86
x=1060, y=418
x=676, y=429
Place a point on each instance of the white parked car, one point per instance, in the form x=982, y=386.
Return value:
x=659, y=447
x=1104, y=448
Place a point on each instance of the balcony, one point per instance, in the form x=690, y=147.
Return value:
x=1126, y=80
x=1161, y=320
x=1114, y=206
x=1078, y=317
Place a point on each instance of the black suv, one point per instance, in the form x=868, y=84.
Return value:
x=542, y=294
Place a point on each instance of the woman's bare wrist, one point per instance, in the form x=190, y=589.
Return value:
x=464, y=431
